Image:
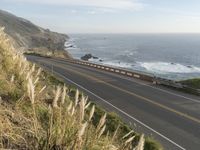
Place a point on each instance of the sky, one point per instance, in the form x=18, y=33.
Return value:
x=109, y=16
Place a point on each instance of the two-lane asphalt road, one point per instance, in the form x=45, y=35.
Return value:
x=171, y=117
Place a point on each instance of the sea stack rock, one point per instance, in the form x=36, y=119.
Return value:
x=88, y=56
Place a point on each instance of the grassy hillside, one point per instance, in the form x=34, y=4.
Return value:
x=37, y=111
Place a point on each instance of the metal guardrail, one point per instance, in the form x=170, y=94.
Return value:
x=190, y=89
x=120, y=71
x=175, y=84
x=167, y=82
x=134, y=74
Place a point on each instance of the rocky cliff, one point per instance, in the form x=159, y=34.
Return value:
x=30, y=36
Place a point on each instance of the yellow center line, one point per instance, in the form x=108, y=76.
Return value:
x=131, y=93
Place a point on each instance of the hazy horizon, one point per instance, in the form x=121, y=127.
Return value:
x=109, y=16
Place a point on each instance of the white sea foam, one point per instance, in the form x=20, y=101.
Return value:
x=97, y=60
x=69, y=44
x=118, y=64
x=165, y=68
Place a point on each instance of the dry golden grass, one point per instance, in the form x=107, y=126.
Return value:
x=43, y=116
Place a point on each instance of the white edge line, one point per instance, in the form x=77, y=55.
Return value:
x=159, y=89
x=156, y=88
x=166, y=138
x=194, y=100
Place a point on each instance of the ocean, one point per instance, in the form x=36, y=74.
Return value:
x=171, y=56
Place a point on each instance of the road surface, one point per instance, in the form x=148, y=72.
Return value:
x=171, y=117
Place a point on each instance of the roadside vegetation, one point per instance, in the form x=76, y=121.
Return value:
x=38, y=111
x=193, y=83
x=47, y=53
x=191, y=86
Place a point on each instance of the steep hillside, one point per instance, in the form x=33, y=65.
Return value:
x=30, y=36
x=39, y=112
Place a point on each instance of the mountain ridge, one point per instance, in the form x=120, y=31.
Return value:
x=28, y=36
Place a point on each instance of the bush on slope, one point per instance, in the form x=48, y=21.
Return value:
x=36, y=114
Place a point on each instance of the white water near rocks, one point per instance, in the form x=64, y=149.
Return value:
x=172, y=56
x=164, y=67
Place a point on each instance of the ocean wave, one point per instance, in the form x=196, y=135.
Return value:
x=69, y=44
x=97, y=60
x=130, y=52
x=165, y=68
x=118, y=64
